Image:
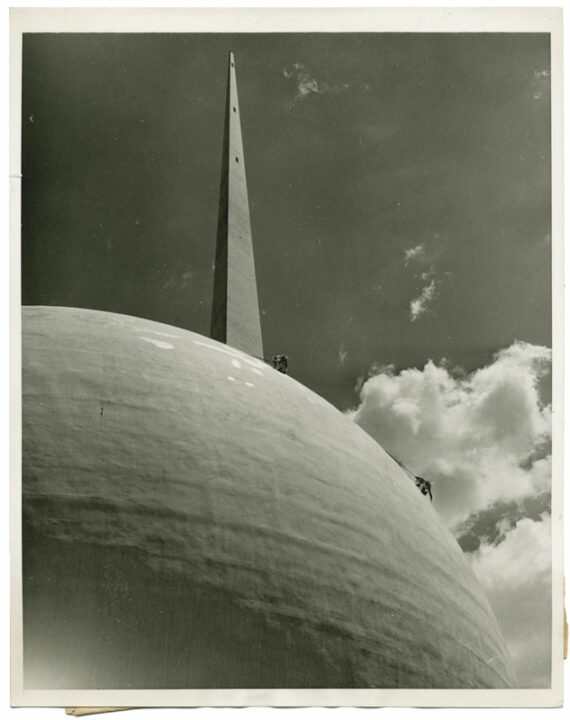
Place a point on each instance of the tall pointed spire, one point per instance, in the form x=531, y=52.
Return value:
x=235, y=308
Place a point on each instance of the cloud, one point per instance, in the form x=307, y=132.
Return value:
x=342, y=354
x=419, y=305
x=419, y=255
x=413, y=253
x=483, y=440
x=480, y=438
x=516, y=576
x=307, y=83
x=491, y=525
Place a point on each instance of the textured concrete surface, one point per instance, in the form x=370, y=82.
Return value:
x=193, y=518
x=235, y=309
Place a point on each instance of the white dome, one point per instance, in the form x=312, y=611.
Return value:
x=195, y=519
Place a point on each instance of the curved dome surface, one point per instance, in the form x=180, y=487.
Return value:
x=193, y=518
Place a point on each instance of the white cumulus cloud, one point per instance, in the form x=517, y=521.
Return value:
x=516, y=578
x=472, y=436
x=482, y=439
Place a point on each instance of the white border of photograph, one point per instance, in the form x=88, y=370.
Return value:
x=287, y=20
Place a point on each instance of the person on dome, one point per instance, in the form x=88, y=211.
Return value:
x=424, y=486
x=281, y=363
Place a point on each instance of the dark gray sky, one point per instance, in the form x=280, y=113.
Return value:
x=383, y=169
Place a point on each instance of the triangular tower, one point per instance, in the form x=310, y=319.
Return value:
x=235, y=308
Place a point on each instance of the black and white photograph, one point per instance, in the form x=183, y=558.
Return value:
x=287, y=340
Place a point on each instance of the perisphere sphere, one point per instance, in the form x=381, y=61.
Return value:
x=193, y=518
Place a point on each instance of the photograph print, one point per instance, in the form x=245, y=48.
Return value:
x=286, y=360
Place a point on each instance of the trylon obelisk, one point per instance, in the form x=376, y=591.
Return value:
x=235, y=308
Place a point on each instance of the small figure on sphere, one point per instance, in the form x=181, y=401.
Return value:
x=281, y=363
x=424, y=486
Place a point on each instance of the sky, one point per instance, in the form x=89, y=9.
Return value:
x=399, y=191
